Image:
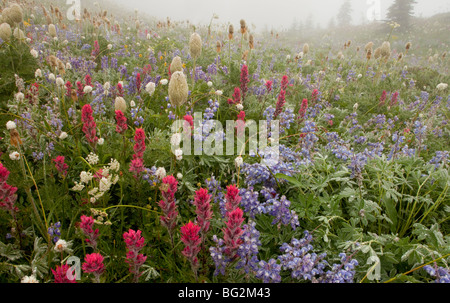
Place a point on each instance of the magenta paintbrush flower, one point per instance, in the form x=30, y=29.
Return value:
x=232, y=232
x=280, y=103
x=192, y=241
x=121, y=120
x=8, y=195
x=232, y=198
x=61, y=274
x=134, y=242
x=137, y=164
x=284, y=82
x=89, y=126
x=168, y=206
x=303, y=108
x=94, y=265
x=60, y=165
x=203, y=209
x=87, y=227
x=244, y=81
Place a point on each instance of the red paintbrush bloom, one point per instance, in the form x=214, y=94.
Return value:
x=61, y=274
x=192, y=241
x=60, y=165
x=89, y=124
x=203, y=209
x=280, y=103
x=121, y=120
x=244, y=81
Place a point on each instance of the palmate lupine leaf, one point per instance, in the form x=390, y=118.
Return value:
x=10, y=251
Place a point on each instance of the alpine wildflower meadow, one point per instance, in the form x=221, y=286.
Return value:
x=160, y=151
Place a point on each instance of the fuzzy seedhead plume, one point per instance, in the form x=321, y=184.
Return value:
x=176, y=65
x=5, y=32
x=385, y=51
x=52, y=30
x=305, y=48
x=195, y=46
x=377, y=53
x=178, y=89
x=230, y=32
x=243, y=26
x=368, y=46
x=120, y=104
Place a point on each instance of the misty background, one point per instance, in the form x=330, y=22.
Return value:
x=278, y=15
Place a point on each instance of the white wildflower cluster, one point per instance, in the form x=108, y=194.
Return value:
x=101, y=182
x=92, y=159
x=100, y=216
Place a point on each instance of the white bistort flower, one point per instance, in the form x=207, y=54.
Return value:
x=11, y=125
x=239, y=161
x=51, y=77
x=60, y=81
x=175, y=139
x=239, y=106
x=160, y=173
x=179, y=154
x=34, y=53
x=179, y=176
x=219, y=92
x=87, y=89
x=63, y=135
x=150, y=88
x=38, y=73
x=20, y=96
x=132, y=103
x=14, y=156
x=164, y=81
x=210, y=84
x=100, y=141
x=442, y=86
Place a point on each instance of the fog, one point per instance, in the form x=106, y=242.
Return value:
x=269, y=14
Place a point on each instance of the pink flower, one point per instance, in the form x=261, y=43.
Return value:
x=139, y=146
x=94, y=265
x=89, y=124
x=7, y=192
x=134, y=242
x=232, y=232
x=87, y=227
x=203, y=209
x=236, y=96
x=96, y=49
x=382, y=98
x=68, y=89
x=315, y=95
x=137, y=164
x=121, y=120
x=284, y=82
x=394, y=99
x=168, y=206
x=280, y=103
x=80, y=88
x=60, y=165
x=138, y=82
x=244, y=80
x=269, y=86
x=119, y=90
x=303, y=108
x=232, y=198
x=61, y=274
x=88, y=80
x=191, y=240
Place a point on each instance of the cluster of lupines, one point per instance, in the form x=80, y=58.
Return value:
x=54, y=231
x=441, y=274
